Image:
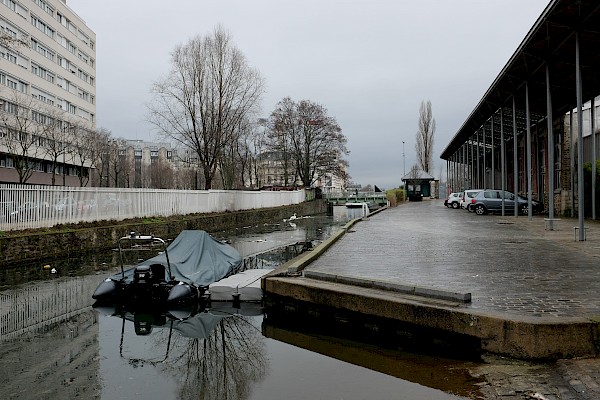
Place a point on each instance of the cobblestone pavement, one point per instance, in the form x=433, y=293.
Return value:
x=509, y=265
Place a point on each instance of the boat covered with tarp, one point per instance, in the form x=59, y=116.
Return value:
x=179, y=275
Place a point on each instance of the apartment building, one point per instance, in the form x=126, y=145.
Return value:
x=47, y=91
x=271, y=172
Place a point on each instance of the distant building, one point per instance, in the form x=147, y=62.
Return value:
x=271, y=171
x=157, y=165
x=48, y=79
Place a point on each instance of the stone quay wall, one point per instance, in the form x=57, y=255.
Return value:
x=78, y=239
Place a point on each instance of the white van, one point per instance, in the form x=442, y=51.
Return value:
x=466, y=198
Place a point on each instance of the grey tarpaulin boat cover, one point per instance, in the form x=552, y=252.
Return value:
x=196, y=258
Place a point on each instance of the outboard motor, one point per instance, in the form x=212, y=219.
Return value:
x=149, y=284
x=142, y=275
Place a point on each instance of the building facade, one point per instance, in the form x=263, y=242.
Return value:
x=47, y=91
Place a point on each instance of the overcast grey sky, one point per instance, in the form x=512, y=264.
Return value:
x=370, y=63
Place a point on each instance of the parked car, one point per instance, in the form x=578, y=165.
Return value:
x=468, y=194
x=490, y=200
x=453, y=200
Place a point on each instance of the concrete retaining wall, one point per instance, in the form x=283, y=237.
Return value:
x=79, y=239
x=523, y=338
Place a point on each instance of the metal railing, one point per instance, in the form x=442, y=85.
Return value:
x=30, y=207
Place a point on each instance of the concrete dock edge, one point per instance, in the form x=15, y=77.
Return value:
x=523, y=337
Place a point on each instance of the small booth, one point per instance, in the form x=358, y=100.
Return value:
x=418, y=184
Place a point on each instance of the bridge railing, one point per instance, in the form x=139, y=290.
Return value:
x=357, y=196
x=30, y=207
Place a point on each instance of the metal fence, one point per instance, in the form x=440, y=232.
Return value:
x=29, y=207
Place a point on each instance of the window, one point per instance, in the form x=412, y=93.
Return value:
x=22, y=87
x=71, y=27
x=11, y=107
x=83, y=76
x=83, y=57
x=11, y=83
x=43, y=50
x=11, y=4
x=41, y=25
x=72, y=109
x=44, y=6
x=11, y=57
x=42, y=73
x=8, y=30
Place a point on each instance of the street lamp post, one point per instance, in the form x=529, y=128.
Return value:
x=403, y=159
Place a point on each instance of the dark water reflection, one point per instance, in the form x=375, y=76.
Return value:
x=53, y=345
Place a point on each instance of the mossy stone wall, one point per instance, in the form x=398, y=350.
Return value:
x=75, y=239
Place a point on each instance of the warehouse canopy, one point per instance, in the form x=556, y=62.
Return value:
x=550, y=42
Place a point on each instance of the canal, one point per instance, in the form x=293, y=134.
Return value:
x=53, y=344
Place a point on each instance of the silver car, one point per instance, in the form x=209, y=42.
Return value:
x=490, y=200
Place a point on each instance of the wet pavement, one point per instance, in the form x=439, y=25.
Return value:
x=511, y=266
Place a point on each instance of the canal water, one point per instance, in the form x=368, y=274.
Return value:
x=53, y=344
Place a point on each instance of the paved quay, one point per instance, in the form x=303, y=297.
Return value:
x=509, y=265
x=512, y=267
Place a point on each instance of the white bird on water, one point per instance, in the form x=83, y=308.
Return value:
x=293, y=217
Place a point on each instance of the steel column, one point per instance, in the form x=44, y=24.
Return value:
x=502, y=159
x=550, y=157
x=593, y=123
x=515, y=157
x=572, y=162
x=528, y=146
x=484, y=160
x=493, y=177
x=580, y=210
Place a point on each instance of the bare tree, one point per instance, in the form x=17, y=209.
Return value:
x=11, y=41
x=21, y=134
x=57, y=136
x=283, y=127
x=425, y=133
x=307, y=140
x=161, y=175
x=84, y=153
x=319, y=145
x=208, y=92
x=100, y=147
x=117, y=165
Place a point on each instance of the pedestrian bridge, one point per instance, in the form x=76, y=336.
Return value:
x=341, y=198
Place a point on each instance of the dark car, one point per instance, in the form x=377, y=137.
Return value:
x=490, y=201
